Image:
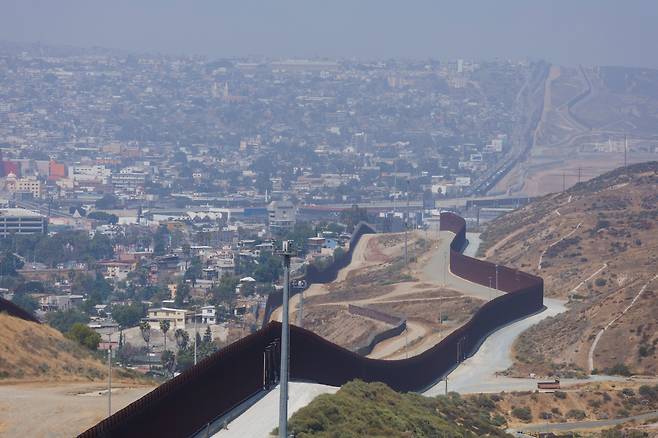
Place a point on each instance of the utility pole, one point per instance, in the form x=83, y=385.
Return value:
x=109, y=374
x=300, y=315
x=195, y=334
x=579, y=170
x=625, y=150
x=285, y=341
x=497, y=277
x=406, y=228
x=564, y=184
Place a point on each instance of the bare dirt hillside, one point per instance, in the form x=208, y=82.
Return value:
x=378, y=279
x=595, y=245
x=30, y=351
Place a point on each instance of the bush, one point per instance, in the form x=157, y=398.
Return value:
x=523, y=414
x=628, y=392
x=600, y=282
x=619, y=369
x=576, y=414
x=648, y=392
x=83, y=335
x=560, y=394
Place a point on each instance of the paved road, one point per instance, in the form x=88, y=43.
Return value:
x=259, y=420
x=582, y=425
x=478, y=373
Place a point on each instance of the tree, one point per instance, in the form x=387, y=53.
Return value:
x=160, y=241
x=168, y=361
x=207, y=335
x=164, y=327
x=103, y=217
x=145, y=328
x=108, y=201
x=128, y=315
x=25, y=302
x=83, y=335
x=30, y=287
x=182, y=293
x=194, y=271
x=9, y=263
x=64, y=320
x=182, y=338
x=224, y=292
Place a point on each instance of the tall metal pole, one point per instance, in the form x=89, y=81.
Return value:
x=497, y=277
x=406, y=228
x=300, y=315
x=195, y=335
x=285, y=344
x=109, y=375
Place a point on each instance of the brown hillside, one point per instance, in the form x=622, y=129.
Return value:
x=595, y=245
x=30, y=351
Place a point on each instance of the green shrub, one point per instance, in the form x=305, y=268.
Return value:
x=619, y=369
x=83, y=335
x=560, y=394
x=648, y=392
x=523, y=414
x=576, y=414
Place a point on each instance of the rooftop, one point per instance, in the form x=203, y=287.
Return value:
x=19, y=212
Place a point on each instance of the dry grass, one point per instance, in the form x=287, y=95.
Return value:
x=618, y=217
x=34, y=352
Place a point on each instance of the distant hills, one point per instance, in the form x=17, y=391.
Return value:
x=596, y=246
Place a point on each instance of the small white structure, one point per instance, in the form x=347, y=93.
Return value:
x=208, y=315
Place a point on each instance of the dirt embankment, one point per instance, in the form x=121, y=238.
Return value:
x=378, y=278
x=30, y=351
x=597, y=246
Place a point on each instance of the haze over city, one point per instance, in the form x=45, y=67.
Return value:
x=590, y=32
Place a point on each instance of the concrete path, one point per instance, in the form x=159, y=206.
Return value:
x=478, y=373
x=261, y=418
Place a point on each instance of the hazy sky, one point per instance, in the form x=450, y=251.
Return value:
x=604, y=32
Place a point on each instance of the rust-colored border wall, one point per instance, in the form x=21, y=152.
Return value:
x=219, y=383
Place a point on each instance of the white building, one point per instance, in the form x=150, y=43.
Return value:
x=208, y=315
x=90, y=174
x=281, y=215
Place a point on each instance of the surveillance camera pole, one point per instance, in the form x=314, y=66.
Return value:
x=285, y=341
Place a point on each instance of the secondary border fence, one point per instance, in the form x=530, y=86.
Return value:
x=315, y=275
x=13, y=310
x=398, y=326
x=188, y=403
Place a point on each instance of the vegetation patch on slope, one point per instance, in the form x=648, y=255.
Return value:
x=373, y=409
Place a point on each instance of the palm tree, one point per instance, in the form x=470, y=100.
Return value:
x=182, y=338
x=164, y=326
x=145, y=328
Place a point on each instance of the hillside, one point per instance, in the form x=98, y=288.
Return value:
x=375, y=410
x=30, y=352
x=595, y=245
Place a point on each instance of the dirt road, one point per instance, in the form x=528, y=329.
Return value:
x=59, y=409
